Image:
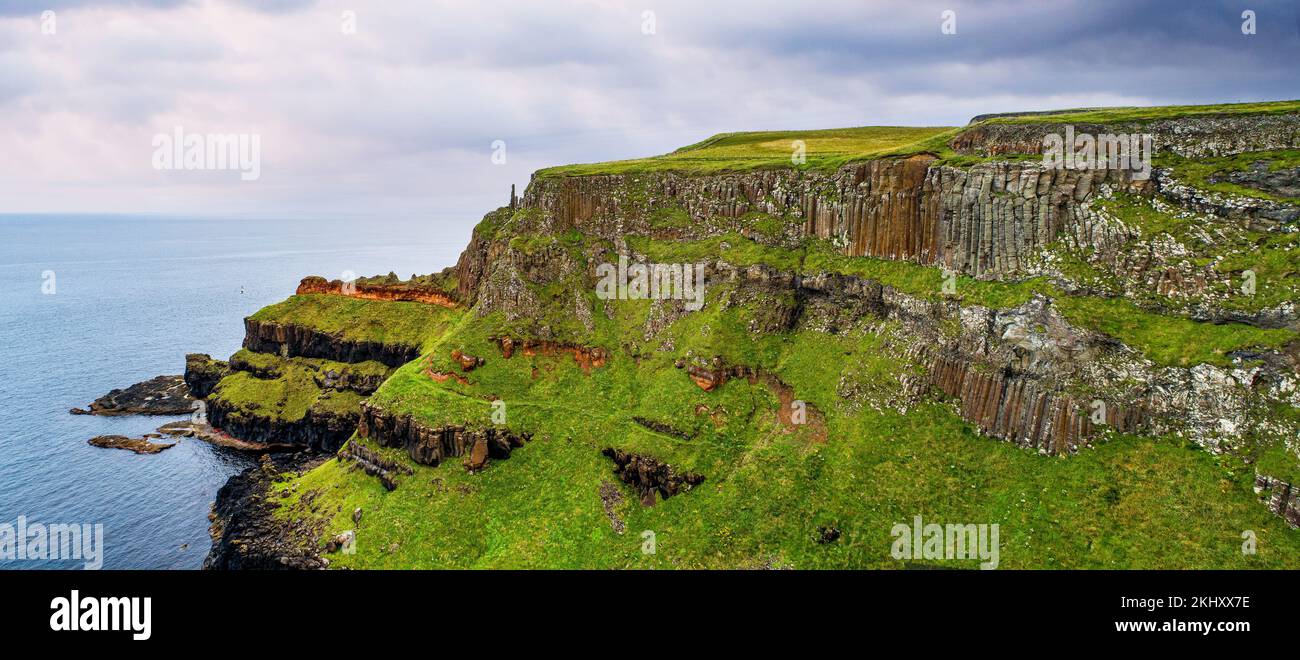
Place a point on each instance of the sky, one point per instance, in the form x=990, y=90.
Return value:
x=433, y=109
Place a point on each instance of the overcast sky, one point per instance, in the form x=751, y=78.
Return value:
x=399, y=118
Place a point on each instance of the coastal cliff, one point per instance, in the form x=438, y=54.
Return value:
x=873, y=335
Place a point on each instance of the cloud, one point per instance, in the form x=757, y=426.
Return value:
x=400, y=117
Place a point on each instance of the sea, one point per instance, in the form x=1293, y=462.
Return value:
x=90, y=303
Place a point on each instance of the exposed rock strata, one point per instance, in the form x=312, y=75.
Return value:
x=587, y=357
x=373, y=464
x=986, y=219
x=389, y=292
x=1194, y=136
x=202, y=373
x=317, y=429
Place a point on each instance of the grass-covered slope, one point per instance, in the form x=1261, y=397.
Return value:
x=769, y=490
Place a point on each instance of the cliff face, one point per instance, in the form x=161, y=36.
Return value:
x=319, y=430
x=985, y=220
x=1053, y=342
x=1024, y=374
x=289, y=340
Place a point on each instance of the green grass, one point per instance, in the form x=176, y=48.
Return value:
x=286, y=398
x=833, y=148
x=294, y=389
x=1169, y=340
x=356, y=319
x=1128, y=503
x=266, y=363
x=1145, y=114
x=736, y=152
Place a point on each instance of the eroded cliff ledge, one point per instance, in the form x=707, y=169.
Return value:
x=287, y=340
x=401, y=291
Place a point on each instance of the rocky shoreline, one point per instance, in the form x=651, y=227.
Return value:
x=162, y=395
x=246, y=533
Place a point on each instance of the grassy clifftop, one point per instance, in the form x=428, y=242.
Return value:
x=737, y=152
x=832, y=148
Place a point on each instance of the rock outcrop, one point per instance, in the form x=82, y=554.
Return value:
x=648, y=475
x=321, y=430
x=389, y=292
x=164, y=395
x=246, y=532
x=288, y=340
x=202, y=373
x=432, y=446
x=1282, y=498
x=137, y=445
x=1194, y=136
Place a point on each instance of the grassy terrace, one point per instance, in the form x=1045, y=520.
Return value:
x=356, y=319
x=287, y=397
x=276, y=366
x=1226, y=246
x=1130, y=502
x=734, y=152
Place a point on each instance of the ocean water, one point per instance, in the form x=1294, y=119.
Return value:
x=131, y=296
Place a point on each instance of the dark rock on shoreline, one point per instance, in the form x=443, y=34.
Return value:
x=137, y=445
x=246, y=533
x=164, y=395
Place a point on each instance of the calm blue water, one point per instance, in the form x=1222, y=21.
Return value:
x=132, y=296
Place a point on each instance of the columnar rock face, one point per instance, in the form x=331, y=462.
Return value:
x=649, y=475
x=1017, y=408
x=986, y=220
x=289, y=340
